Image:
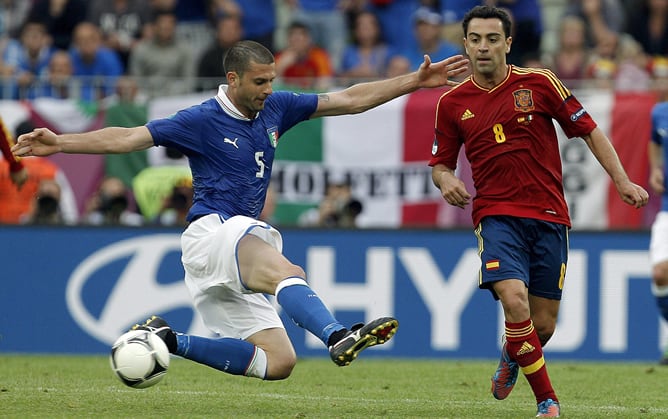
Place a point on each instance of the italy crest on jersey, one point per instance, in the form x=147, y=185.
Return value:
x=523, y=100
x=273, y=136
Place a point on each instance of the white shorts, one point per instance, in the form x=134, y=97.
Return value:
x=658, y=245
x=227, y=307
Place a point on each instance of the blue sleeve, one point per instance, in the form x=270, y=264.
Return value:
x=180, y=131
x=293, y=107
x=657, y=110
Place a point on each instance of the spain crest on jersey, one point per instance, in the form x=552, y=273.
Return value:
x=273, y=136
x=523, y=100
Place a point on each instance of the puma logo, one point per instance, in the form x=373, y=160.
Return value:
x=228, y=141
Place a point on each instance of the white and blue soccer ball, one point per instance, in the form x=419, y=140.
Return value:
x=139, y=358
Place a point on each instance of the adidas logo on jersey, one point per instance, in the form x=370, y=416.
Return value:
x=467, y=115
x=525, y=349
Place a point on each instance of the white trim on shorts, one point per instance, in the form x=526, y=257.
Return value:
x=209, y=256
x=658, y=244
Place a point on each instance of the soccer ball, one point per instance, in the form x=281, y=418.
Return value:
x=139, y=358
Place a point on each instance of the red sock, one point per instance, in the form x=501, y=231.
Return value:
x=524, y=347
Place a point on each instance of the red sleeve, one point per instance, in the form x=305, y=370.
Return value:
x=568, y=111
x=446, y=140
x=6, y=143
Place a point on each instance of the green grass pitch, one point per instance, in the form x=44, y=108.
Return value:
x=84, y=387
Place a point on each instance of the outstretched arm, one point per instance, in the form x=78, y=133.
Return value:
x=656, y=177
x=111, y=140
x=605, y=153
x=364, y=96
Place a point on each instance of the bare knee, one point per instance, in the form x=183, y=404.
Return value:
x=513, y=297
x=660, y=274
x=280, y=366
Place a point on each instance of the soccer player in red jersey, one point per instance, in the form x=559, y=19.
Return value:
x=503, y=115
x=17, y=172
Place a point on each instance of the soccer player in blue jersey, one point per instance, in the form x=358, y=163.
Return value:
x=658, y=247
x=230, y=257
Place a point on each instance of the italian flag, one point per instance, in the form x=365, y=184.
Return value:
x=382, y=153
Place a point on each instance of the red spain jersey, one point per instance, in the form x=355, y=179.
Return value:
x=510, y=140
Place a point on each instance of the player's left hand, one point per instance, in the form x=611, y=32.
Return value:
x=633, y=194
x=440, y=73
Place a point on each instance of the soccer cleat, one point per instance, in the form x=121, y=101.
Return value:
x=360, y=337
x=505, y=377
x=548, y=409
x=159, y=326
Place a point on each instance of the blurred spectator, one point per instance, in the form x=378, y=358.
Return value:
x=60, y=17
x=258, y=18
x=26, y=59
x=633, y=72
x=154, y=186
x=570, y=59
x=46, y=208
x=301, y=63
x=648, y=24
x=17, y=204
x=175, y=208
x=428, y=25
x=619, y=62
x=337, y=209
x=527, y=26
x=602, y=18
x=395, y=21
x=602, y=63
x=368, y=56
x=13, y=14
x=122, y=23
x=210, y=70
x=97, y=66
x=110, y=205
x=163, y=65
x=327, y=22
x=453, y=12
x=128, y=107
x=59, y=83
x=397, y=66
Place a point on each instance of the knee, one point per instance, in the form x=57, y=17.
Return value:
x=544, y=330
x=280, y=367
x=515, y=305
x=660, y=274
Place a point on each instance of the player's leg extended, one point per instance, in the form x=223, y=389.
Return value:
x=265, y=269
x=230, y=355
x=658, y=252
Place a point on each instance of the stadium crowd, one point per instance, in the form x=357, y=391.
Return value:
x=122, y=52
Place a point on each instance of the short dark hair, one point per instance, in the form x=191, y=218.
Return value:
x=487, y=12
x=239, y=58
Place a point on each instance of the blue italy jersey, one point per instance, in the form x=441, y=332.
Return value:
x=660, y=137
x=230, y=155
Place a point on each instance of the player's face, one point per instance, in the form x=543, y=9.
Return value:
x=251, y=89
x=487, y=46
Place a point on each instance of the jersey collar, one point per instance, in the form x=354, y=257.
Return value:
x=227, y=106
